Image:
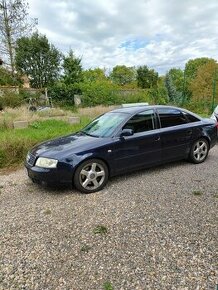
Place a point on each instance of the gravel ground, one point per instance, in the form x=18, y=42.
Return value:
x=154, y=229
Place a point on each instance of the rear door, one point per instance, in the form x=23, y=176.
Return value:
x=175, y=133
x=141, y=149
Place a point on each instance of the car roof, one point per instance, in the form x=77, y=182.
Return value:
x=138, y=109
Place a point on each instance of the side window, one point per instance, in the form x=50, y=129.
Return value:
x=141, y=122
x=191, y=118
x=171, y=117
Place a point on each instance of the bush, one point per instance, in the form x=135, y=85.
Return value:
x=63, y=94
x=10, y=99
x=98, y=93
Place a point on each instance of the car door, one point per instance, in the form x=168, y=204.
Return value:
x=141, y=149
x=175, y=133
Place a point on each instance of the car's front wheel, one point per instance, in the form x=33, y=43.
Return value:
x=91, y=176
x=199, y=151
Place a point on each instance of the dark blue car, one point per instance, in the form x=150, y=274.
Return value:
x=121, y=141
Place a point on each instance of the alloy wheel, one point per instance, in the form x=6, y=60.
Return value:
x=200, y=150
x=92, y=176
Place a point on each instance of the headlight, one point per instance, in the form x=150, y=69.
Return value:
x=46, y=162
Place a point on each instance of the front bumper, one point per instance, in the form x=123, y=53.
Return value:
x=50, y=176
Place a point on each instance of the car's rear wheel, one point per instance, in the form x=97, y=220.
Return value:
x=91, y=176
x=199, y=151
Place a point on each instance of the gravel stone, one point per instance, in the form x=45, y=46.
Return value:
x=160, y=235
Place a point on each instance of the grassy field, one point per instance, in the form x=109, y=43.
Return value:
x=44, y=125
x=14, y=144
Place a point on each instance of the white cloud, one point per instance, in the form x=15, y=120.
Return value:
x=158, y=33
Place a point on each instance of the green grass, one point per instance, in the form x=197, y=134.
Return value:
x=197, y=192
x=15, y=143
x=108, y=286
x=102, y=230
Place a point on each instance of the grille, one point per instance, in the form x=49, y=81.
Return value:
x=31, y=159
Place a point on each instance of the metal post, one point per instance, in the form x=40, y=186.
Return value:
x=183, y=89
x=214, y=91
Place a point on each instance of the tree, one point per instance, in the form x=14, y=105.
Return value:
x=96, y=74
x=146, y=78
x=38, y=59
x=192, y=66
x=202, y=85
x=177, y=76
x=14, y=23
x=173, y=95
x=122, y=75
x=72, y=69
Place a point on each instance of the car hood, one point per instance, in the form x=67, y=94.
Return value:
x=67, y=145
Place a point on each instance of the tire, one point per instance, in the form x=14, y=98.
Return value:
x=199, y=151
x=91, y=176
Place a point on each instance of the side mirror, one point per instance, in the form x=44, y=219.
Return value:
x=126, y=132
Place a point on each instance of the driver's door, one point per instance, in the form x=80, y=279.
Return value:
x=141, y=149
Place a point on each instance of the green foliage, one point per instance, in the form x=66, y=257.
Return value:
x=98, y=93
x=175, y=97
x=72, y=69
x=192, y=66
x=146, y=78
x=122, y=75
x=62, y=93
x=38, y=59
x=10, y=99
x=6, y=78
x=14, y=144
x=197, y=192
x=205, y=81
x=96, y=74
x=100, y=229
x=191, y=69
x=108, y=286
x=159, y=95
x=177, y=76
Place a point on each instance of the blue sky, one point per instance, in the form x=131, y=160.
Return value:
x=157, y=33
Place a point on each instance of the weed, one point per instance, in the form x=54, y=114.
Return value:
x=100, y=229
x=85, y=248
x=197, y=192
x=35, y=125
x=216, y=195
x=108, y=286
x=1, y=186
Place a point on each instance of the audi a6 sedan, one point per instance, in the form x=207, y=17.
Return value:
x=121, y=141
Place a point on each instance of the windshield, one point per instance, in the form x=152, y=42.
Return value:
x=104, y=125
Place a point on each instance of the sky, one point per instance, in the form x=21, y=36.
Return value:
x=157, y=33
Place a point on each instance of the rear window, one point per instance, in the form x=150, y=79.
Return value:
x=171, y=117
x=191, y=118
